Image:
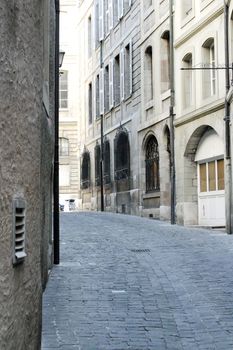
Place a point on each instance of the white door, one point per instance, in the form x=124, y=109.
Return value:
x=211, y=193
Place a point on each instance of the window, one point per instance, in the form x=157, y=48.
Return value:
x=186, y=8
x=90, y=103
x=89, y=36
x=63, y=146
x=107, y=176
x=122, y=156
x=211, y=176
x=209, y=75
x=187, y=80
x=106, y=89
x=152, y=165
x=97, y=32
x=97, y=164
x=117, y=80
x=85, y=170
x=63, y=90
x=128, y=71
x=64, y=175
x=97, y=96
x=165, y=62
x=148, y=75
x=147, y=4
x=107, y=15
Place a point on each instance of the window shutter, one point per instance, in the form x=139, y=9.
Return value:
x=111, y=85
x=131, y=67
x=110, y=14
x=102, y=91
x=122, y=69
x=120, y=8
x=101, y=20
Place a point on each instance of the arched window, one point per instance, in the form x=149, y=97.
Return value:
x=152, y=165
x=85, y=170
x=97, y=164
x=165, y=61
x=148, y=74
x=122, y=156
x=107, y=177
x=63, y=147
x=209, y=75
x=187, y=80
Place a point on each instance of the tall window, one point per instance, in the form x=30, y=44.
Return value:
x=148, y=74
x=152, y=165
x=97, y=96
x=106, y=89
x=63, y=89
x=85, y=170
x=187, y=80
x=63, y=146
x=122, y=156
x=107, y=16
x=165, y=62
x=128, y=70
x=209, y=75
x=117, y=80
x=186, y=8
x=107, y=174
x=89, y=36
x=90, y=103
x=97, y=164
x=97, y=32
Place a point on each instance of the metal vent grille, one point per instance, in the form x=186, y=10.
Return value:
x=19, y=231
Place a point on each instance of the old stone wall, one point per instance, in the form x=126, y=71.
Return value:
x=25, y=171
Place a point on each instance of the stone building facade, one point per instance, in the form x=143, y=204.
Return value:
x=68, y=115
x=125, y=76
x=26, y=169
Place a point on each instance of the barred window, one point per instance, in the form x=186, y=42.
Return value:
x=152, y=165
x=85, y=170
x=122, y=156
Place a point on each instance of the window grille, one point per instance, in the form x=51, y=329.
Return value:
x=122, y=156
x=152, y=165
x=19, y=212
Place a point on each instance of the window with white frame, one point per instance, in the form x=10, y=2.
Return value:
x=90, y=112
x=209, y=74
x=165, y=61
x=148, y=74
x=63, y=146
x=97, y=96
x=187, y=80
x=63, y=89
x=117, y=80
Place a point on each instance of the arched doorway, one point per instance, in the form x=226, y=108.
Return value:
x=211, y=185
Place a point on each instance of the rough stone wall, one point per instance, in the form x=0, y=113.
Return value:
x=23, y=171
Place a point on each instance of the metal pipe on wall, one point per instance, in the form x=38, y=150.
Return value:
x=172, y=103
x=102, y=139
x=56, y=214
x=228, y=189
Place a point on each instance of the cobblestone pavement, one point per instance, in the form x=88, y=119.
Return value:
x=126, y=282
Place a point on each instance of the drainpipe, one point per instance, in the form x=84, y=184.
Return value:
x=171, y=112
x=228, y=187
x=102, y=140
x=56, y=214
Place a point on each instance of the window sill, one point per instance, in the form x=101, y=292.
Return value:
x=149, y=105
x=165, y=95
x=155, y=194
x=148, y=12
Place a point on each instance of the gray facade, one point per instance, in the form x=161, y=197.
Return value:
x=26, y=154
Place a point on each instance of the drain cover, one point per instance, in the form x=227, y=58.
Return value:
x=140, y=250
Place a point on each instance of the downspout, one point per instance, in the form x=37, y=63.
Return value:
x=102, y=140
x=56, y=214
x=171, y=116
x=228, y=186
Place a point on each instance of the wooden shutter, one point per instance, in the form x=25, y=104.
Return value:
x=131, y=67
x=111, y=85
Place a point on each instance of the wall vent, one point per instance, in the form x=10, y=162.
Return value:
x=19, y=211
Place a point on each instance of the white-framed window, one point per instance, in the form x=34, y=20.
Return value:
x=165, y=61
x=209, y=73
x=211, y=176
x=63, y=146
x=90, y=105
x=116, y=78
x=63, y=90
x=106, y=89
x=148, y=74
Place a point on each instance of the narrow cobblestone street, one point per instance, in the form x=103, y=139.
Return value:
x=126, y=282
